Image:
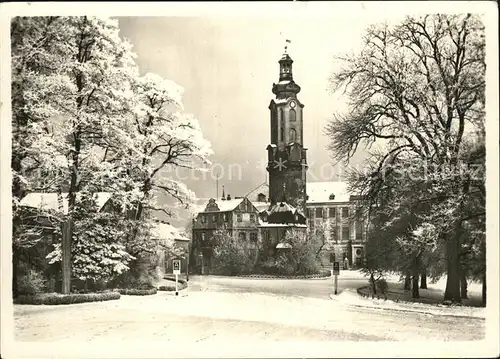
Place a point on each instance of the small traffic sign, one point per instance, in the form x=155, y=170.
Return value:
x=176, y=264
x=336, y=268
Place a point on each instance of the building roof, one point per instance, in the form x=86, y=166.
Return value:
x=319, y=192
x=261, y=206
x=253, y=194
x=226, y=205
x=49, y=201
x=272, y=225
x=167, y=232
x=283, y=212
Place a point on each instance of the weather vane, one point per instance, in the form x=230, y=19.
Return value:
x=286, y=46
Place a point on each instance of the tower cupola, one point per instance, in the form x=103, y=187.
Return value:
x=286, y=87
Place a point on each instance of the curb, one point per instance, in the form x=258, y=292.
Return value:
x=418, y=311
x=272, y=276
x=407, y=310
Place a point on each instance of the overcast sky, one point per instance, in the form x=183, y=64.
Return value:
x=227, y=67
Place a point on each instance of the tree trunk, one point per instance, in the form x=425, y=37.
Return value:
x=407, y=282
x=15, y=261
x=415, y=293
x=66, y=256
x=349, y=252
x=452, y=292
x=484, y=290
x=463, y=287
x=372, y=281
x=423, y=279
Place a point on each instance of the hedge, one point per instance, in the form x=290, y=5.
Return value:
x=57, y=298
x=171, y=287
x=324, y=274
x=135, y=291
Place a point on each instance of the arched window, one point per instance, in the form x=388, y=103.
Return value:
x=293, y=135
x=282, y=134
x=292, y=116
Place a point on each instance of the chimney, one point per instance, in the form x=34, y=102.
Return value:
x=228, y=197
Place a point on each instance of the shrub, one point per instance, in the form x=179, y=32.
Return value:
x=229, y=255
x=137, y=291
x=58, y=299
x=171, y=287
x=31, y=282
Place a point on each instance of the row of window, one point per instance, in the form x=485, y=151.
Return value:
x=241, y=236
x=320, y=212
x=346, y=231
x=225, y=218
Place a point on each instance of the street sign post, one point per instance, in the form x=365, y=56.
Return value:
x=176, y=264
x=336, y=268
x=335, y=272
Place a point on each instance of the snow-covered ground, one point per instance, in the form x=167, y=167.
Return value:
x=213, y=315
x=350, y=297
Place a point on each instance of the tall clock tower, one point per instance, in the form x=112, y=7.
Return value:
x=287, y=165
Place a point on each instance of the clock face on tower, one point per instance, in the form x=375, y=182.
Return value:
x=292, y=104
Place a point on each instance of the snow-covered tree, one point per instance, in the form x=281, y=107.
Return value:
x=416, y=92
x=75, y=99
x=85, y=122
x=324, y=235
x=165, y=139
x=97, y=254
x=229, y=255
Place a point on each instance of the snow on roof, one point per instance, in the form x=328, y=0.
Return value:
x=49, y=201
x=263, y=188
x=319, y=192
x=168, y=232
x=283, y=207
x=226, y=205
x=283, y=245
x=280, y=101
x=261, y=206
x=266, y=224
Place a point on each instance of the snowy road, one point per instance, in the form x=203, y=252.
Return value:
x=314, y=288
x=220, y=309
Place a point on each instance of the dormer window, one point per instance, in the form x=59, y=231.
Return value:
x=332, y=197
